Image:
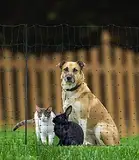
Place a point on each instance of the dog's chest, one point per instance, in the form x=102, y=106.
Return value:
x=76, y=109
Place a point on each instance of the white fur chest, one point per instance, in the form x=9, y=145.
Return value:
x=44, y=126
x=47, y=127
x=76, y=109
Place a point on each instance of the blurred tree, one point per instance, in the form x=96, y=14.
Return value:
x=70, y=11
x=73, y=12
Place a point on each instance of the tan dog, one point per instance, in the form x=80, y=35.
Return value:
x=97, y=124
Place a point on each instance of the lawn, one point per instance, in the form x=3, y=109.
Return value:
x=12, y=147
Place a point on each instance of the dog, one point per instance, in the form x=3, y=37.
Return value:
x=97, y=124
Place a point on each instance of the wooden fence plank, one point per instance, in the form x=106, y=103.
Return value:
x=106, y=54
x=20, y=76
x=69, y=56
x=137, y=90
x=45, y=81
x=9, y=86
x=95, y=72
x=32, y=83
x=120, y=91
x=58, y=91
x=1, y=98
x=132, y=110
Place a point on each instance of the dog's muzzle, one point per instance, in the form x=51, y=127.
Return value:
x=69, y=78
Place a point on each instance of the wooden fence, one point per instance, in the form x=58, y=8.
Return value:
x=111, y=73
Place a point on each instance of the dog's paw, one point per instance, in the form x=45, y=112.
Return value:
x=86, y=143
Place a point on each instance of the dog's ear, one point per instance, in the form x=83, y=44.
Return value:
x=61, y=64
x=81, y=64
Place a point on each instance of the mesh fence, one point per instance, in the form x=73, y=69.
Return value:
x=29, y=76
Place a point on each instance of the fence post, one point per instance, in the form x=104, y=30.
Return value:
x=120, y=90
x=131, y=87
x=68, y=56
x=32, y=82
x=95, y=71
x=8, y=83
x=1, y=111
x=137, y=90
x=20, y=68
x=45, y=81
x=57, y=59
x=106, y=53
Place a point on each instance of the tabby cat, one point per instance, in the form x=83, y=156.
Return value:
x=43, y=119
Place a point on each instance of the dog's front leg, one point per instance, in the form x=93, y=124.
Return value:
x=83, y=124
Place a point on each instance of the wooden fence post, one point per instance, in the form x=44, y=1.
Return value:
x=120, y=90
x=96, y=72
x=57, y=59
x=132, y=110
x=106, y=53
x=32, y=83
x=9, y=86
x=20, y=76
x=1, y=97
x=69, y=56
x=45, y=81
x=137, y=91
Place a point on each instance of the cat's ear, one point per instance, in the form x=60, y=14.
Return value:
x=38, y=109
x=54, y=114
x=49, y=109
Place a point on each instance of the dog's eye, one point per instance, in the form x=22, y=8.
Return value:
x=66, y=69
x=75, y=70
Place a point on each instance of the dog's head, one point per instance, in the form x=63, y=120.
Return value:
x=71, y=74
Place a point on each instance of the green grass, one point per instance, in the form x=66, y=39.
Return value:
x=12, y=147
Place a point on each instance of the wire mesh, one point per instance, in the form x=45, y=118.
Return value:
x=29, y=76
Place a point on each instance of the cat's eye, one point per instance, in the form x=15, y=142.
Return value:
x=39, y=114
x=66, y=69
x=47, y=113
x=75, y=70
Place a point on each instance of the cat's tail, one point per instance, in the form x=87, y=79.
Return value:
x=22, y=123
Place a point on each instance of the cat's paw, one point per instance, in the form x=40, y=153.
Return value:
x=44, y=143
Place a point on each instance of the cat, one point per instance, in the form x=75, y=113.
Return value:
x=43, y=119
